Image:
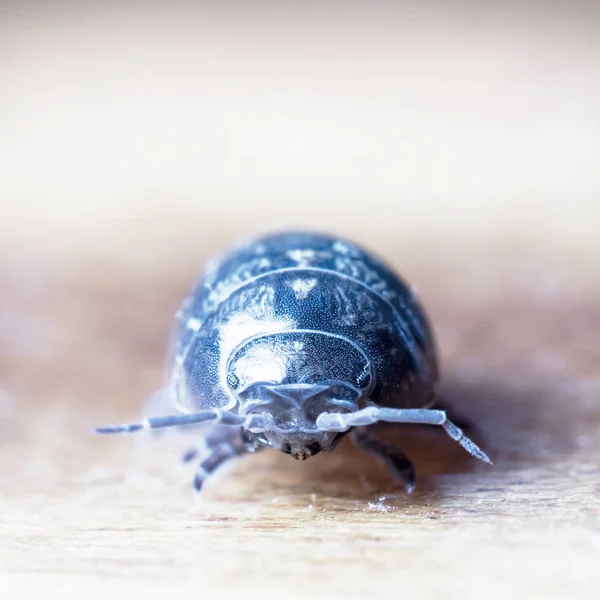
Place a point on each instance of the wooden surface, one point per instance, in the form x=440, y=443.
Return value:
x=491, y=211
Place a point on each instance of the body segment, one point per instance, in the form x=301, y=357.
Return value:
x=297, y=281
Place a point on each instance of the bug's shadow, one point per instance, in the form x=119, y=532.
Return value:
x=518, y=423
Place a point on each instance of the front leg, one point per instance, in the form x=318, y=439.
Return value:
x=397, y=463
x=221, y=449
x=217, y=458
x=211, y=438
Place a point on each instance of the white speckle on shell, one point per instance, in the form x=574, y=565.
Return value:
x=194, y=324
x=303, y=287
x=298, y=346
x=301, y=257
x=341, y=247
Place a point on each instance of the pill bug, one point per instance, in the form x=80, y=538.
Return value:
x=292, y=341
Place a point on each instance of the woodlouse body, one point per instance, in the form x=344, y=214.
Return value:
x=296, y=339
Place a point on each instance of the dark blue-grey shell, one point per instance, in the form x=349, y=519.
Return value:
x=291, y=341
x=295, y=309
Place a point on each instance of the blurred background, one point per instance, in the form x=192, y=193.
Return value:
x=458, y=139
x=141, y=129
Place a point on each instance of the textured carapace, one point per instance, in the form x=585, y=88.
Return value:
x=298, y=338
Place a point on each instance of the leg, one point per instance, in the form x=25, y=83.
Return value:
x=399, y=465
x=218, y=435
x=219, y=455
x=419, y=416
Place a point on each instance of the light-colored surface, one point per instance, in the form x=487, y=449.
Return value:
x=464, y=150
